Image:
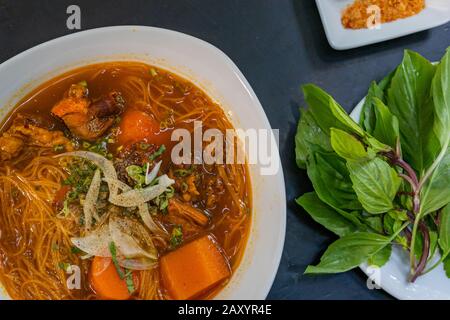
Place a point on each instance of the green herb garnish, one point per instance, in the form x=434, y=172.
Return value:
x=137, y=173
x=129, y=281
x=58, y=147
x=181, y=173
x=112, y=249
x=64, y=266
x=176, y=237
x=75, y=250
x=86, y=145
x=144, y=146
x=162, y=201
x=157, y=153
x=65, y=210
x=80, y=177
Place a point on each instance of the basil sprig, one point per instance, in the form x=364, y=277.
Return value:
x=385, y=180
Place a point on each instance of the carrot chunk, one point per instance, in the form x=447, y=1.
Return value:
x=106, y=281
x=138, y=126
x=194, y=268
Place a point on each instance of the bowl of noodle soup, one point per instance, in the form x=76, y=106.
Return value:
x=87, y=180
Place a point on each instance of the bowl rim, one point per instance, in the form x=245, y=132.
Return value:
x=280, y=240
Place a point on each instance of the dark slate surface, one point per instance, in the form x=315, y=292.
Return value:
x=278, y=45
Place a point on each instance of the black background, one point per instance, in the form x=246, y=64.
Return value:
x=278, y=45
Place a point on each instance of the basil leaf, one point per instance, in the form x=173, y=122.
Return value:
x=347, y=146
x=349, y=252
x=444, y=230
x=436, y=191
x=386, y=127
x=327, y=112
x=309, y=137
x=367, y=119
x=380, y=258
x=374, y=222
x=409, y=100
x=330, y=178
x=326, y=215
x=441, y=98
x=375, y=183
x=447, y=267
x=434, y=243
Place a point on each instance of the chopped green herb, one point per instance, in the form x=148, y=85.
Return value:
x=80, y=177
x=181, y=173
x=58, y=147
x=86, y=145
x=65, y=210
x=176, y=238
x=129, y=281
x=158, y=153
x=144, y=146
x=153, y=72
x=112, y=249
x=81, y=220
x=55, y=247
x=136, y=173
x=100, y=146
x=184, y=187
x=83, y=83
x=162, y=201
x=75, y=250
x=64, y=266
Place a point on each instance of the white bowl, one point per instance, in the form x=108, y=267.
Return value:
x=214, y=72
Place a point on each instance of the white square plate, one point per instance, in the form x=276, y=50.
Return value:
x=436, y=13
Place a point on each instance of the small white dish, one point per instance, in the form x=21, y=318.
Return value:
x=392, y=277
x=436, y=13
x=210, y=69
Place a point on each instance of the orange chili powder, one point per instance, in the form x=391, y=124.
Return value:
x=355, y=16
